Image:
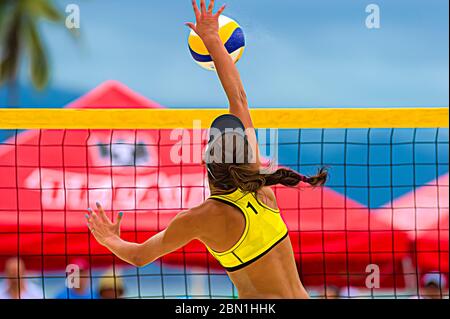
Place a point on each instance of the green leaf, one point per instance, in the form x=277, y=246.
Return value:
x=8, y=67
x=5, y=18
x=10, y=50
x=39, y=67
x=19, y=34
x=44, y=9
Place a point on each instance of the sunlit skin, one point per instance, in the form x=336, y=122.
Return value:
x=84, y=282
x=215, y=224
x=432, y=291
x=111, y=293
x=14, y=273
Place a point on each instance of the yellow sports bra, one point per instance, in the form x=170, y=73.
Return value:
x=264, y=229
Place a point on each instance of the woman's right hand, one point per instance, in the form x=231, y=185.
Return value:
x=101, y=226
x=207, y=23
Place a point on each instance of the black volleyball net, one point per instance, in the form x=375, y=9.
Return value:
x=379, y=229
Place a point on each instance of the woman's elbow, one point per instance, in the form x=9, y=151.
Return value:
x=136, y=262
x=139, y=261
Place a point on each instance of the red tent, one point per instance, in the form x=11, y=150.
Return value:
x=113, y=95
x=340, y=238
x=60, y=173
x=423, y=215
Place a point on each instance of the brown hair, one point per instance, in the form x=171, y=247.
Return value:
x=248, y=177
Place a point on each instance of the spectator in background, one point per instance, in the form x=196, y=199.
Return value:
x=332, y=292
x=111, y=286
x=433, y=286
x=349, y=292
x=15, y=284
x=83, y=290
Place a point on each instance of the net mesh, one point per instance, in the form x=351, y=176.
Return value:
x=379, y=229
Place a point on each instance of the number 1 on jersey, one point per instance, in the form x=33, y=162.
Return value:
x=249, y=205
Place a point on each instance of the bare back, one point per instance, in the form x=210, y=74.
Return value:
x=272, y=276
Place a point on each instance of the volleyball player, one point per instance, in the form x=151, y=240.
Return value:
x=240, y=224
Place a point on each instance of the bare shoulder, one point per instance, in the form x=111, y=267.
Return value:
x=268, y=191
x=203, y=210
x=199, y=216
x=210, y=217
x=267, y=195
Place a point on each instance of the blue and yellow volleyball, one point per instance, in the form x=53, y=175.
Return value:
x=232, y=37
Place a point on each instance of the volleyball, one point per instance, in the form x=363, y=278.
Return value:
x=232, y=36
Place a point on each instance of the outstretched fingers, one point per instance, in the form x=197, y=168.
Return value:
x=101, y=213
x=203, y=6
x=220, y=11
x=119, y=219
x=211, y=6
x=92, y=219
x=191, y=26
x=196, y=10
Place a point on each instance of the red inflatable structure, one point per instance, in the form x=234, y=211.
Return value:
x=423, y=215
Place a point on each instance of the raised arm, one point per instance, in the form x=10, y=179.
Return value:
x=181, y=230
x=207, y=28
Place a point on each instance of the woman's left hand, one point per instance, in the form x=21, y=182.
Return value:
x=101, y=226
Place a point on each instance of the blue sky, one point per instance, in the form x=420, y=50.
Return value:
x=300, y=53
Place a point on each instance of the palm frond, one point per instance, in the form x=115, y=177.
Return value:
x=39, y=68
x=7, y=68
x=5, y=19
x=10, y=53
x=44, y=9
x=20, y=37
